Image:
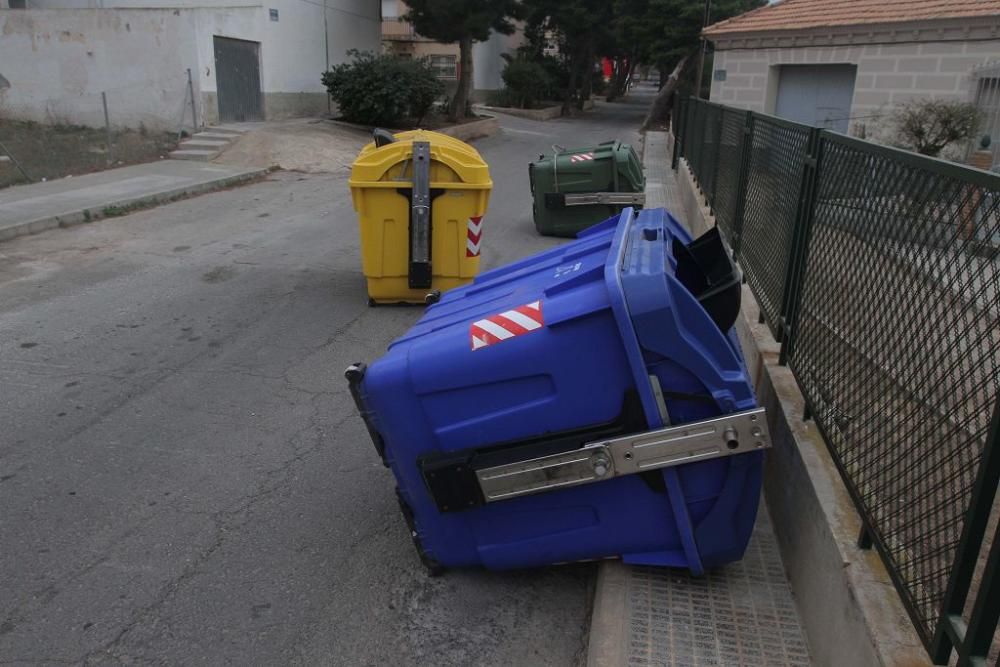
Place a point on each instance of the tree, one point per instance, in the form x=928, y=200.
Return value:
x=929, y=126
x=583, y=31
x=382, y=89
x=631, y=35
x=464, y=22
x=671, y=36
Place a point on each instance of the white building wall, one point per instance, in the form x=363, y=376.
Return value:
x=487, y=63
x=295, y=49
x=888, y=74
x=56, y=64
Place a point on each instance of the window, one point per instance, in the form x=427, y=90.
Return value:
x=17, y=4
x=445, y=67
x=390, y=9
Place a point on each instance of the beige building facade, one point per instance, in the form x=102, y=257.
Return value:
x=399, y=38
x=847, y=77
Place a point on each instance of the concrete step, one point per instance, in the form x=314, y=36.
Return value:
x=192, y=154
x=231, y=129
x=216, y=136
x=204, y=144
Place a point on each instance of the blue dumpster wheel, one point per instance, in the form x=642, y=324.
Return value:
x=434, y=568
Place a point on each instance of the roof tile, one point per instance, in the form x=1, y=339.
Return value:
x=801, y=14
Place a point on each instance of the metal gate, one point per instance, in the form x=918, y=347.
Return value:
x=818, y=95
x=237, y=75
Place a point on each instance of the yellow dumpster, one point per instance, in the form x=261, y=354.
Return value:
x=420, y=197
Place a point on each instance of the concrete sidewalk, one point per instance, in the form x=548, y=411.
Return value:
x=29, y=209
x=741, y=614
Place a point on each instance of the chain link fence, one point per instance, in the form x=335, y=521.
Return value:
x=79, y=133
x=879, y=271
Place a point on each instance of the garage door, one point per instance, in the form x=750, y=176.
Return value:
x=817, y=95
x=237, y=75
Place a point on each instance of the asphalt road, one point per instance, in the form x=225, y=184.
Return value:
x=183, y=476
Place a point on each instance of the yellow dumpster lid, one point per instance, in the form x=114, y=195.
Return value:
x=373, y=162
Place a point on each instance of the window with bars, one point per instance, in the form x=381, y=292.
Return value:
x=446, y=67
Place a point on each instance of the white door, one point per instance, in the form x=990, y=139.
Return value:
x=818, y=95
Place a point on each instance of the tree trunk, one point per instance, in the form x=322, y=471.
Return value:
x=587, y=70
x=460, y=100
x=660, y=108
x=570, y=87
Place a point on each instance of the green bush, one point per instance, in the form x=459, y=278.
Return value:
x=527, y=82
x=502, y=98
x=382, y=89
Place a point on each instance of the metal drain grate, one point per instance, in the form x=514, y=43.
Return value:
x=741, y=614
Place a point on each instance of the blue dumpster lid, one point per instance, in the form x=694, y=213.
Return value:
x=658, y=317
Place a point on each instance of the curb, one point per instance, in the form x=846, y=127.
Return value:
x=127, y=205
x=609, y=632
x=608, y=635
x=544, y=113
x=486, y=126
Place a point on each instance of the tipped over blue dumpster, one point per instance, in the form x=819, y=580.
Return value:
x=590, y=401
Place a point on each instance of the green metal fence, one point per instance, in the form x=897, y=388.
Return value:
x=879, y=271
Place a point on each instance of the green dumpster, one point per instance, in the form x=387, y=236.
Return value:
x=574, y=189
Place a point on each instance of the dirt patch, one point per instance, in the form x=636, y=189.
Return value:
x=55, y=151
x=309, y=145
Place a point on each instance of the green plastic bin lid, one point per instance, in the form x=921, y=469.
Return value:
x=627, y=162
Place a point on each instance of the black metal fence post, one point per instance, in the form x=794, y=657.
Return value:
x=717, y=130
x=698, y=136
x=799, y=248
x=986, y=612
x=741, y=188
x=678, y=125
x=951, y=630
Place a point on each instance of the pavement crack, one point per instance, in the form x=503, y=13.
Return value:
x=227, y=523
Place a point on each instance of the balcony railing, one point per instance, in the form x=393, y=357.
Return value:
x=401, y=31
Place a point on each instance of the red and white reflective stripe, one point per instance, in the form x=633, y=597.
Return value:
x=506, y=325
x=581, y=157
x=474, y=236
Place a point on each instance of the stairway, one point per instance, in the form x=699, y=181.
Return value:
x=207, y=144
